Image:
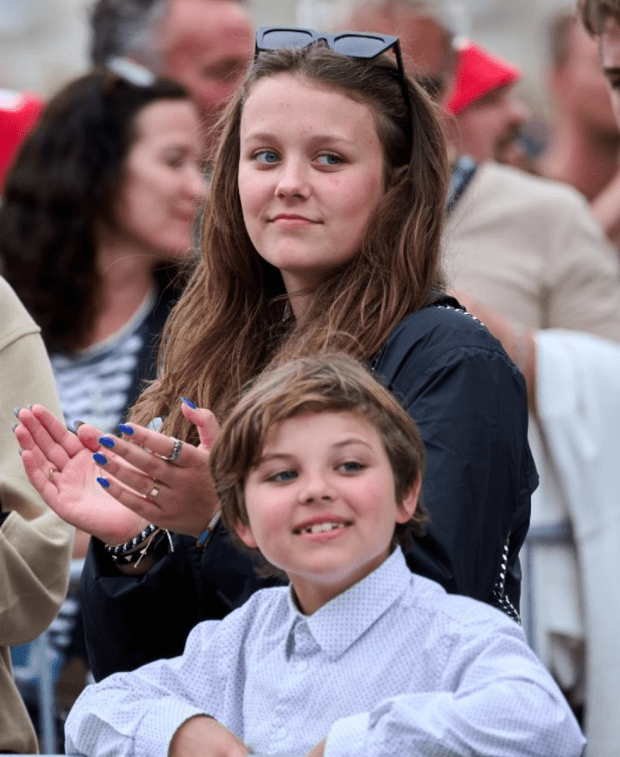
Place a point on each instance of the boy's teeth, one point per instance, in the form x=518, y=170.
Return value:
x=318, y=527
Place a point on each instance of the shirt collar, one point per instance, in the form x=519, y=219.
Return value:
x=363, y=604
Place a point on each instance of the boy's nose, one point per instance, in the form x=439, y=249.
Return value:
x=315, y=489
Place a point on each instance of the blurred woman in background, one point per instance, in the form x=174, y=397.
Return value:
x=97, y=221
x=96, y=231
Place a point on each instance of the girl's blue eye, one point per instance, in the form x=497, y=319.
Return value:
x=266, y=156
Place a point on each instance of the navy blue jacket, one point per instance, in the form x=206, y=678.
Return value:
x=470, y=404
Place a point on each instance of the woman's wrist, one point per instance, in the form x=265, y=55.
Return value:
x=139, y=554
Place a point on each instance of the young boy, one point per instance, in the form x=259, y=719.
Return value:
x=318, y=468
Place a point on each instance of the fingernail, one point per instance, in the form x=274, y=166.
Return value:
x=103, y=482
x=189, y=403
x=14, y=426
x=77, y=424
x=16, y=411
x=29, y=407
x=99, y=458
x=20, y=451
x=106, y=441
x=125, y=429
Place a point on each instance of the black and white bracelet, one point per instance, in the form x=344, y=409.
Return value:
x=118, y=549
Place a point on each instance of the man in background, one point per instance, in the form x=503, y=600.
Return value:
x=488, y=113
x=206, y=45
x=584, y=145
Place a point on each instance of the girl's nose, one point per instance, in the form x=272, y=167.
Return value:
x=293, y=180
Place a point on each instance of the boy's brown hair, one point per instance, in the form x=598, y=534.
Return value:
x=594, y=14
x=329, y=383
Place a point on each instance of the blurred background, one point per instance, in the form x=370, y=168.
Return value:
x=43, y=42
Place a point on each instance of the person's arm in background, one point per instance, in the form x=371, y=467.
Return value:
x=606, y=209
x=581, y=276
x=35, y=544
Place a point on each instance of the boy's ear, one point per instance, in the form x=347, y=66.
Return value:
x=244, y=532
x=407, y=507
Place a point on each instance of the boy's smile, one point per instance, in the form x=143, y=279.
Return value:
x=321, y=503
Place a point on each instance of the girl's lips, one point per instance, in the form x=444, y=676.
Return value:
x=292, y=220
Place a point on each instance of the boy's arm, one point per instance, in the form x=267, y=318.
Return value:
x=318, y=750
x=205, y=737
x=495, y=699
x=138, y=714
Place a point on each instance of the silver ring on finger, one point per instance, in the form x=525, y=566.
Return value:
x=176, y=451
x=155, y=490
x=50, y=474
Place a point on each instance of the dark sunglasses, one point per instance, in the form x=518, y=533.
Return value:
x=351, y=44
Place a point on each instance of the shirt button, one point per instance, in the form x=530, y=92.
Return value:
x=281, y=733
x=301, y=666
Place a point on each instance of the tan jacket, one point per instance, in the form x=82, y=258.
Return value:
x=530, y=249
x=35, y=545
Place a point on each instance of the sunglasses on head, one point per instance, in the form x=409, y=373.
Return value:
x=351, y=44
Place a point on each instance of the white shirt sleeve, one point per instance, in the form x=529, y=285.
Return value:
x=498, y=701
x=137, y=714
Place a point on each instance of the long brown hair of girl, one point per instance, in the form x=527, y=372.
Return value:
x=233, y=318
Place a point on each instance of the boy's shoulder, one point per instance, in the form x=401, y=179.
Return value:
x=457, y=614
x=268, y=605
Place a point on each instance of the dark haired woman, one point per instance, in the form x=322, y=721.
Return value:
x=322, y=231
x=96, y=223
x=97, y=218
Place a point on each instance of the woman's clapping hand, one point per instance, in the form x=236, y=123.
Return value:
x=112, y=487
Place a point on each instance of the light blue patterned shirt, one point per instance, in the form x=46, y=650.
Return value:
x=392, y=667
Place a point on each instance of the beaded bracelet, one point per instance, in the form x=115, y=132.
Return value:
x=128, y=546
x=205, y=537
x=133, y=558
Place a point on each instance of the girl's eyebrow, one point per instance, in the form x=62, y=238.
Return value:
x=264, y=136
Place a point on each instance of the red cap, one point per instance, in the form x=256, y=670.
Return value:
x=19, y=112
x=478, y=73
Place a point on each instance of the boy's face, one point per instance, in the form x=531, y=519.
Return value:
x=321, y=503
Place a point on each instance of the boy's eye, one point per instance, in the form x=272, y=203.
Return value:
x=329, y=159
x=266, y=157
x=350, y=466
x=282, y=476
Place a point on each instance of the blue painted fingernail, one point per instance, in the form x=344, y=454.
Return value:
x=189, y=403
x=99, y=458
x=125, y=429
x=106, y=441
x=14, y=426
x=77, y=424
x=16, y=411
x=29, y=407
x=103, y=482
x=20, y=451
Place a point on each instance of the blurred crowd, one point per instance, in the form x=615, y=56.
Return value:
x=102, y=187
